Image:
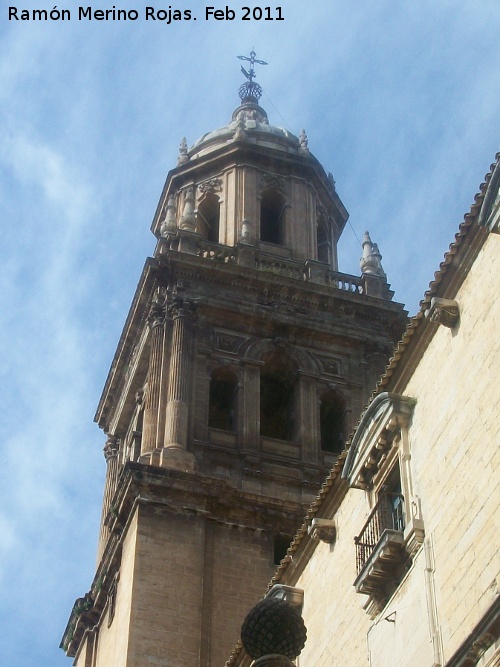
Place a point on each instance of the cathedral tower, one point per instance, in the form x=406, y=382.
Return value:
x=244, y=362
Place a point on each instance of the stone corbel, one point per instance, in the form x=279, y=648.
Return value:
x=414, y=532
x=323, y=530
x=443, y=311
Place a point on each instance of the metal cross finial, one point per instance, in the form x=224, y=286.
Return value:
x=252, y=60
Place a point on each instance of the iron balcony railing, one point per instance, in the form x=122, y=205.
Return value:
x=388, y=514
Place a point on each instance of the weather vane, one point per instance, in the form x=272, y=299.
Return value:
x=250, y=91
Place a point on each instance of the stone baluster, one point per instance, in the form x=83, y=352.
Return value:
x=152, y=396
x=174, y=453
x=111, y=449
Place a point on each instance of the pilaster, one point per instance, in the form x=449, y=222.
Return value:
x=174, y=453
x=111, y=449
x=156, y=323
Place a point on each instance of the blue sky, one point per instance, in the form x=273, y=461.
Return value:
x=400, y=101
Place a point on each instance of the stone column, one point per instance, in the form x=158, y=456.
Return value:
x=111, y=449
x=174, y=453
x=152, y=397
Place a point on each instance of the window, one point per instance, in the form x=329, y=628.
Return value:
x=387, y=516
x=222, y=400
x=278, y=379
x=325, y=245
x=332, y=422
x=379, y=463
x=272, y=216
x=208, y=218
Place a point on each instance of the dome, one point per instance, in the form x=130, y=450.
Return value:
x=249, y=123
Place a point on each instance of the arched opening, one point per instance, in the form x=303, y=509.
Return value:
x=208, y=218
x=278, y=378
x=332, y=422
x=272, y=218
x=280, y=547
x=222, y=400
x=324, y=243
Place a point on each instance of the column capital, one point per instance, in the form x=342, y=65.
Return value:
x=111, y=448
x=183, y=307
x=157, y=311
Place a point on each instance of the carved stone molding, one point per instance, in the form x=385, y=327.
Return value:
x=332, y=366
x=227, y=342
x=443, y=311
x=210, y=185
x=272, y=182
x=374, y=351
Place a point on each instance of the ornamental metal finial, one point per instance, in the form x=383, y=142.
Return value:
x=250, y=91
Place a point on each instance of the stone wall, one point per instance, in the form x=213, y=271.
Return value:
x=185, y=586
x=455, y=457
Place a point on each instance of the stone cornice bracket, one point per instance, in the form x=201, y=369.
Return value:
x=183, y=152
x=110, y=448
x=443, y=311
x=323, y=530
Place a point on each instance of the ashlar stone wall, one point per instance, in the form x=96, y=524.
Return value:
x=455, y=460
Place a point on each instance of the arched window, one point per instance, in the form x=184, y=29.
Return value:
x=272, y=218
x=222, y=400
x=208, y=218
x=278, y=379
x=332, y=422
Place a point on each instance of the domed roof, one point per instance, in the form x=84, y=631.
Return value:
x=249, y=123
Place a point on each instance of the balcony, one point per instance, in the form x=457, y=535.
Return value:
x=380, y=549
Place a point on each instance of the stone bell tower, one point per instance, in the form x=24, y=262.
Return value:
x=244, y=362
